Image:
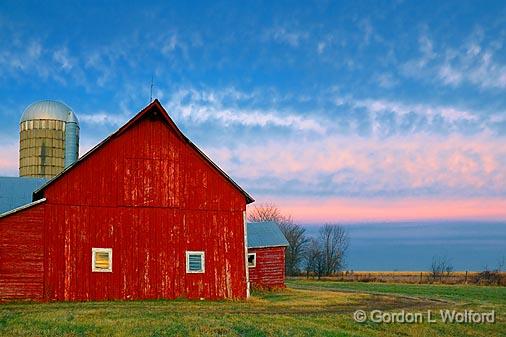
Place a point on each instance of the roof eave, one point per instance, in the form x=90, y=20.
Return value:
x=20, y=208
x=268, y=246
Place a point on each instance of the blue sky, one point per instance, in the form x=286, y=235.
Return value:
x=333, y=110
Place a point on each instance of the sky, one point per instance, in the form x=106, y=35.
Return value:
x=335, y=111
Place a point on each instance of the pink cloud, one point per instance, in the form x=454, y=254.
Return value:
x=9, y=158
x=318, y=210
x=472, y=165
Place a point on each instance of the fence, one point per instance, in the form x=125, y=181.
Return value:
x=460, y=277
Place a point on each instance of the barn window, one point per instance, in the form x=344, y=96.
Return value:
x=101, y=259
x=195, y=262
x=252, y=260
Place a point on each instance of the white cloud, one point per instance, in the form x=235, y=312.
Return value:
x=283, y=35
x=374, y=106
x=416, y=67
x=474, y=62
x=321, y=47
x=223, y=106
x=498, y=118
x=426, y=48
x=103, y=118
x=169, y=44
x=386, y=80
x=449, y=75
x=366, y=27
x=61, y=56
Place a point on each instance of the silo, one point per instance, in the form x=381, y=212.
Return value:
x=49, y=139
x=71, y=139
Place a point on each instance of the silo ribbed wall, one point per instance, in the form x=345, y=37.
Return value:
x=71, y=143
x=42, y=148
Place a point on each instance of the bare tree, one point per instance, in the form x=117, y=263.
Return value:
x=294, y=233
x=500, y=264
x=314, y=259
x=440, y=267
x=265, y=212
x=491, y=276
x=334, y=243
x=296, y=236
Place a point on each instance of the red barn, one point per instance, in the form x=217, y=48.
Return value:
x=143, y=215
x=266, y=255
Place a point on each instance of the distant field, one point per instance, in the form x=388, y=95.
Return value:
x=306, y=308
x=458, y=293
x=458, y=277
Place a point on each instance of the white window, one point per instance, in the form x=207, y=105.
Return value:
x=101, y=260
x=252, y=260
x=195, y=262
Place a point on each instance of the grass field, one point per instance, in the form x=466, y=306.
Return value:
x=455, y=277
x=306, y=308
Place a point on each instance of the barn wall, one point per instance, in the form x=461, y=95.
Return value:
x=270, y=267
x=150, y=197
x=21, y=254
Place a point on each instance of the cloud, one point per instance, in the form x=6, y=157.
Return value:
x=14, y=58
x=450, y=75
x=9, y=156
x=227, y=107
x=385, y=117
x=285, y=36
x=319, y=210
x=416, y=67
x=449, y=113
x=367, y=30
x=476, y=61
x=352, y=166
x=103, y=118
x=386, y=80
x=170, y=44
x=61, y=57
x=321, y=47
x=476, y=67
x=328, y=113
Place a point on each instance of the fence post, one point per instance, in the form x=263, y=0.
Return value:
x=465, y=280
x=420, y=277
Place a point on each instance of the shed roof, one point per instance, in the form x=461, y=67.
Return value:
x=17, y=191
x=265, y=234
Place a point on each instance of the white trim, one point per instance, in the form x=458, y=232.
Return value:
x=272, y=246
x=248, y=286
x=254, y=260
x=101, y=250
x=202, y=259
x=33, y=203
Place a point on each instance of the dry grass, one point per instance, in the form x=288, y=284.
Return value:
x=412, y=277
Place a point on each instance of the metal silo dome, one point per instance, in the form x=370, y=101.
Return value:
x=49, y=139
x=49, y=110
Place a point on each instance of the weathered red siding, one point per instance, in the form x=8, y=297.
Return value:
x=22, y=254
x=150, y=196
x=269, y=271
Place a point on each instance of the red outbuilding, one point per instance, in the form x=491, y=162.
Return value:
x=143, y=215
x=266, y=255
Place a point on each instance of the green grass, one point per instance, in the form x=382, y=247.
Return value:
x=320, y=309
x=462, y=293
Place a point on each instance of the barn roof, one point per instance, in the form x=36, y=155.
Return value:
x=154, y=108
x=265, y=234
x=17, y=191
